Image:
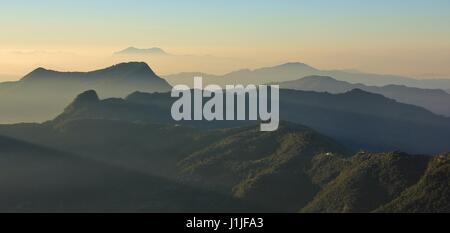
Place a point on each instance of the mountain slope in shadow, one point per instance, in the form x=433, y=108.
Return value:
x=284, y=171
x=38, y=179
x=357, y=119
x=240, y=163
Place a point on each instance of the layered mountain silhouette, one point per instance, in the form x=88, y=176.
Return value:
x=285, y=72
x=435, y=100
x=42, y=94
x=357, y=119
x=290, y=170
x=126, y=154
x=295, y=70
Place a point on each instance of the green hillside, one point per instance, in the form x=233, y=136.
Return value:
x=430, y=194
x=370, y=180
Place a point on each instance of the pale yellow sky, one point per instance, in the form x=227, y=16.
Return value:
x=388, y=37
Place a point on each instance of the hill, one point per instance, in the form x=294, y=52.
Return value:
x=369, y=181
x=430, y=194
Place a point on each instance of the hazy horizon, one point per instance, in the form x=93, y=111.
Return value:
x=410, y=39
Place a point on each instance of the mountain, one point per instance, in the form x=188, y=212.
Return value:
x=363, y=120
x=430, y=194
x=383, y=80
x=369, y=181
x=127, y=143
x=284, y=72
x=289, y=170
x=295, y=70
x=263, y=168
x=43, y=93
x=127, y=74
x=40, y=179
x=237, y=163
x=356, y=119
x=138, y=51
x=385, y=182
x=435, y=100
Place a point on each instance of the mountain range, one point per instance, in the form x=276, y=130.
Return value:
x=112, y=164
x=42, y=94
x=296, y=70
x=435, y=100
x=19, y=103
x=357, y=119
x=115, y=148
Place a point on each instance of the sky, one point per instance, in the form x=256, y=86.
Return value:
x=385, y=36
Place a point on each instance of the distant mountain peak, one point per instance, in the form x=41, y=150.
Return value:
x=139, y=51
x=87, y=96
x=359, y=93
x=134, y=69
x=83, y=99
x=40, y=69
x=38, y=73
x=319, y=78
x=132, y=66
x=295, y=65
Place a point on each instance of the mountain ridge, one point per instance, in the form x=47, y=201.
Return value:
x=435, y=100
x=294, y=70
x=357, y=119
x=120, y=69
